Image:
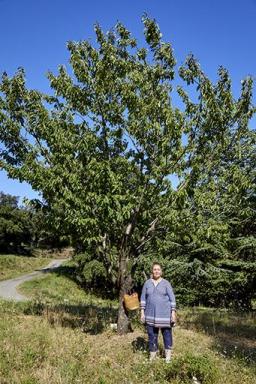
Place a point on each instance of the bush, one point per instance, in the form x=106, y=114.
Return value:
x=190, y=366
x=228, y=284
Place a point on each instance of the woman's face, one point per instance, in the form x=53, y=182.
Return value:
x=156, y=271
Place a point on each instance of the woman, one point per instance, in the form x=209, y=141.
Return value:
x=158, y=311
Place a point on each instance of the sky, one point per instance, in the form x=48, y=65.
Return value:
x=33, y=35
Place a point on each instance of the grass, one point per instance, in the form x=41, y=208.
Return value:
x=58, y=297
x=36, y=351
x=63, y=336
x=60, y=286
x=234, y=333
x=12, y=265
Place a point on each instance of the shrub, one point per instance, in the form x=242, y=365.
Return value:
x=188, y=366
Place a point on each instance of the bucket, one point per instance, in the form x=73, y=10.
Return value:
x=131, y=302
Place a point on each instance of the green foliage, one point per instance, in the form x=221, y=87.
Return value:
x=22, y=229
x=15, y=231
x=92, y=273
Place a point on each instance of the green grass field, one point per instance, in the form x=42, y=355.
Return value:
x=12, y=265
x=63, y=336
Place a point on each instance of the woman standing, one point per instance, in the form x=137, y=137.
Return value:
x=158, y=311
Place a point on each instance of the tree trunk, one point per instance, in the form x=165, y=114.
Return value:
x=125, y=285
x=123, y=324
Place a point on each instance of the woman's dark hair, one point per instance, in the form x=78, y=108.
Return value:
x=156, y=263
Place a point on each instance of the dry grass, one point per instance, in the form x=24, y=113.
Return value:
x=34, y=351
x=64, y=337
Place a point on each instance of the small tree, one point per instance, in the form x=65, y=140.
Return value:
x=102, y=149
x=15, y=233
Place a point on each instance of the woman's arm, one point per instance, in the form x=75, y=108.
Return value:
x=143, y=297
x=172, y=300
x=143, y=303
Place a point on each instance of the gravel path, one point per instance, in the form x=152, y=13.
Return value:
x=8, y=288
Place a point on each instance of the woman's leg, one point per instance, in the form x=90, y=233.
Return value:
x=152, y=340
x=167, y=336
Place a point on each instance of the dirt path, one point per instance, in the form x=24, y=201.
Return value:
x=8, y=288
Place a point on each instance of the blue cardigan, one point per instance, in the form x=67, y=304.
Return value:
x=158, y=302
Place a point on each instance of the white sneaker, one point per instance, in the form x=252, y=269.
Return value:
x=168, y=355
x=152, y=356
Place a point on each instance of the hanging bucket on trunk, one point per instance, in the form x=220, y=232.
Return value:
x=131, y=302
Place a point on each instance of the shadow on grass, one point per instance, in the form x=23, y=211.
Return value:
x=234, y=333
x=64, y=270
x=89, y=318
x=140, y=344
x=242, y=349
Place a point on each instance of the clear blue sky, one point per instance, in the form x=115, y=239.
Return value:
x=33, y=35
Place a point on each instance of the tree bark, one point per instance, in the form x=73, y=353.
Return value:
x=125, y=282
x=123, y=323
x=125, y=285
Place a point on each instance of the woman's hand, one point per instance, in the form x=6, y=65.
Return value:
x=142, y=316
x=173, y=317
